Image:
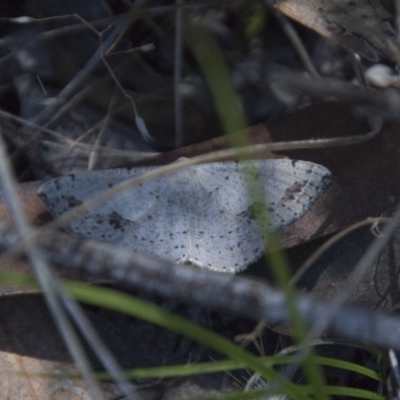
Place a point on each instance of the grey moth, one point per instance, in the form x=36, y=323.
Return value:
x=200, y=215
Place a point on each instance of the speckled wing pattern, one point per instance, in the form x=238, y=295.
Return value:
x=200, y=215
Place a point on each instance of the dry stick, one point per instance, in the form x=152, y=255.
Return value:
x=178, y=114
x=101, y=23
x=67, y=106
x=10, y=131
x=52, y=291
x=80, y=77
x=51, y=34
x=140, y=123
x=397, y=17
x=87, y=149
x=384, y=102
x=225, y=292
x=56, y=32
x=84, y=148
x=94, y=155
x=329, y=243
x=24, y=122
x=294, y=38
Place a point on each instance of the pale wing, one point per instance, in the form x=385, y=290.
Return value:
x=289, y=187
x=221, y=240
x=200, y=215
x=164, y=229
x=107, y=221
x=226, y=185
x=188, y=226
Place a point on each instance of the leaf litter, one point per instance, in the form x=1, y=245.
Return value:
x=201, y=215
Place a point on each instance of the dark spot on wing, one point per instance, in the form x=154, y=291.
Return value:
x=116, y=221
x=292, y=191
x=72, y=201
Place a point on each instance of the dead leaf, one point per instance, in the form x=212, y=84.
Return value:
x=36, y=211
x=362, y=26
x=256, y=134
x=365, y=175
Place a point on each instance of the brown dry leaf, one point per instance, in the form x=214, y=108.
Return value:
x=36, y=211
x=256, y=134
x=361, y=26
x=365, y=175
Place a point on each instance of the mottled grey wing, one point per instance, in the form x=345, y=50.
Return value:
x=108, y=221
x=295, y=186
x=188, y=226
x=201, y=215
x=290, y=187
